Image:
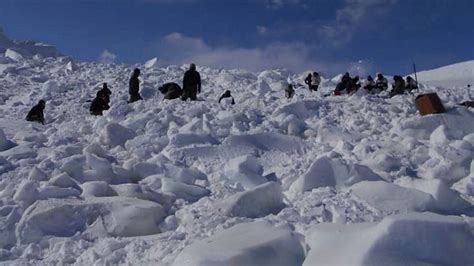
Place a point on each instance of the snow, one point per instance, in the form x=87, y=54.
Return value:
x=257, y=243
x=407, y=239
x=160, y=182
x=459, y=75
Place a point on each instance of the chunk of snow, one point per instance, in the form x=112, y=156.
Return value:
x=116, y=135
x=26, y=193
x=257, y=243
x=97, y=189
x=257, y=202
x=120, y=217
x=391, y=198
x=37, y=174
x=14, y=55
x=152, y=63
x=187, y=192
x=5, y=144
x=406, y=239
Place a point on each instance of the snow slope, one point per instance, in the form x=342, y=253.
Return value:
x=25, y=48
x=455, y=75
x=162, y=182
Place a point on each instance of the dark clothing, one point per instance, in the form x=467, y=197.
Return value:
x=36, y=114
x=227, y=95
x=411, y=85
x=171, y=90
x=99, y=105
x=133, y=89
x=353, y=85
x=289, y=92
x=308, y=81
x=381, y=84
x=191, y=85
x=104, y=92
x=341, y=86
x=398, y=87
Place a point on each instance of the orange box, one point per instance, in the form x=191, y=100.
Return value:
x=429, y=104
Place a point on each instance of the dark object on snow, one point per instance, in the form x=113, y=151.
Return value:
x=411, y=84
x=290, y=92
x=353, y=84
x=105, y=91
x=191, y=84
x=381, y=83
x=227, y=94
x=134, y=87
x=398, y=86
x=468, y=104
x=99, y=104
x=429, y=104
x=308, y=81
x=369, y=84
x=171, y=90
x=313, y=81
x=36, y=113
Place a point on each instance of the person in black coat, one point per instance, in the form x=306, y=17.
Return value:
x=227, y=94
x=99, y=104
x=36, y=113
x=171, y=90
x=105, y=91
x=134, y=86
x=191, y=84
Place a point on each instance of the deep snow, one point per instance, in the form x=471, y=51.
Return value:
x=268, y=181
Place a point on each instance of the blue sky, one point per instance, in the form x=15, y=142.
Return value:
x=326, y=35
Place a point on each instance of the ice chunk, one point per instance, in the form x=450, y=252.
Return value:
x=97, y=189
x=65, y=181
x=257, y=243
x=116, y=135
x=49, y=192
x=5, y=144
x=26, y=193
x=406, y=239
x=391, y=198
x=246, y=170
x=257, y=202
x=120, y=217
x=183, y=191
x=14, y=55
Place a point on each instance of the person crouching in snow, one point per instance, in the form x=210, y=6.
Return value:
x=398, y=86
x=381, y=83
x=36, y=113
x=105, y=91
x=99, y=104
x=353, y=84
x=411, y=85
x=227, y=94
x=369, y=84
x=134, y=86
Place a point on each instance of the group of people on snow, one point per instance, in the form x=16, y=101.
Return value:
x=192, y=87
x=171, y=90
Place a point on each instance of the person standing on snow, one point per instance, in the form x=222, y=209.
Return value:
x=308, y=81
x=289, y=91
x=134, y=86
x=313, y=81
x=36, y=113
x=191, y=84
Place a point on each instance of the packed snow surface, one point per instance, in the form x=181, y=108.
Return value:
x=315, y=180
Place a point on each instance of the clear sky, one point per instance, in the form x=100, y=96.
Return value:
x=326, y=35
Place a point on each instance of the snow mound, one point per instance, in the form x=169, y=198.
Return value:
x=391, y=198
x=5, y=144
x=328, y=172
x=112, y=216
x=460, y=75
x=258, y=202
x=407, y=239
x=246, y=170
x=257, y=243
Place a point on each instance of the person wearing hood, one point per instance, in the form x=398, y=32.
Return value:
x=36, y=113
x=191, y=84
x=411, y=84
x=227, y=94
x=134, y=86
x=105, y=91
x=171, y=91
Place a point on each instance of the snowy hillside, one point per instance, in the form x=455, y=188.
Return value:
x=338, y=180
x=456, y=75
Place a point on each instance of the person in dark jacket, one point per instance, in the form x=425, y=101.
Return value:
x=227, y=94
x=398, y=86
x=134, y=86
x=171, y=90
x=191, y=84
x=369, y=84
x=105, y=91
x=290, y=92
x=381, y=83
x=308, y=81
x=36, y=113
x=353, y=84
x=99, y=104
x=411, y=84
